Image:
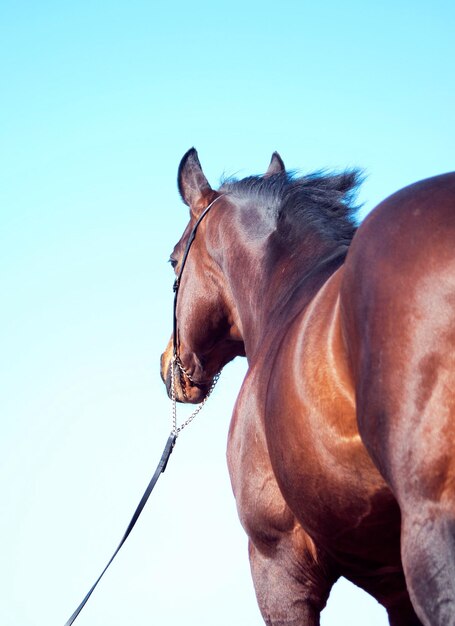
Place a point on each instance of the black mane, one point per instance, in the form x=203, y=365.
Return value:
x=318, y=202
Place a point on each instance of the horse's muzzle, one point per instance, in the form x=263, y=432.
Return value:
x=185, y=391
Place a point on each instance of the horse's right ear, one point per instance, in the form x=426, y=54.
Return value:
x=193, y=185
x=276, y=165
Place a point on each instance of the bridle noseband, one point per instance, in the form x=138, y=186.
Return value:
x=175, y=341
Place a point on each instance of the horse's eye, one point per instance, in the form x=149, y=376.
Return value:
x=173, y=262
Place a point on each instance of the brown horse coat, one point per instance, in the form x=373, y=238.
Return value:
x=344, y=423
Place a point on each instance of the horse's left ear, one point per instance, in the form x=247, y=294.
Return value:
x=193, y=185
x=276, y=165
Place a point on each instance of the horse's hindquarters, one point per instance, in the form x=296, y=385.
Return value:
x=398, y=300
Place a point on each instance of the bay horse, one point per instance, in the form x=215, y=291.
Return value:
x=341, y=445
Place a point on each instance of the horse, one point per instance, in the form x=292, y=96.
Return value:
x=341, y=445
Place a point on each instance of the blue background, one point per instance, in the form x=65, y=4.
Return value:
x=99, y=101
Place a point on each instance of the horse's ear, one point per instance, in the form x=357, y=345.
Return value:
x=193, y=185
x=276, y=165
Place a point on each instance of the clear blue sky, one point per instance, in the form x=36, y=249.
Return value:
x=99, y=101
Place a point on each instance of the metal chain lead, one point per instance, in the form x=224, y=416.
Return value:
x=176, y=430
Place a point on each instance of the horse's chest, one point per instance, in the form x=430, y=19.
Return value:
x=262, y=509
x=294, y=442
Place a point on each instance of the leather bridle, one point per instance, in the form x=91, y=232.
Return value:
x=175, y=339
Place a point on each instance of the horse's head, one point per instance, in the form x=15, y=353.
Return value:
x=207, y=329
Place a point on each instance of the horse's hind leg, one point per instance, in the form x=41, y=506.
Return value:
x=428, y=553
x=401, y=613
x=292, y=585
x=418, y=462
x=389, y=589
x=399, y=607
x=417, y=459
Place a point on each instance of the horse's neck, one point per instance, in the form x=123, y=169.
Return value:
x=269, y=295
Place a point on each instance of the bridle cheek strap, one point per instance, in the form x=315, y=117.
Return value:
x=182, y=266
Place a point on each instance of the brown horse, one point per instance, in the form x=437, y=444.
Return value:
x=341, y=444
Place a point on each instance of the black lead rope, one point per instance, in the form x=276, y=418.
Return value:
x=159, y=470
x=172, y=437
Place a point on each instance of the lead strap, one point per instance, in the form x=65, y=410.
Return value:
x=159, y=470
